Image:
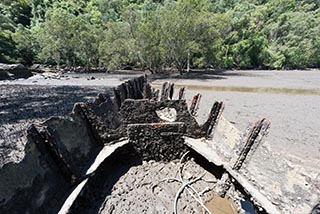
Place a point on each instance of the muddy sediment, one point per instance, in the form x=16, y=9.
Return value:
x=22, y=105
x=152, y=187
x=288, y=98
x=14, y=123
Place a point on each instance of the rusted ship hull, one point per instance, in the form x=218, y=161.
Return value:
x=72, y=163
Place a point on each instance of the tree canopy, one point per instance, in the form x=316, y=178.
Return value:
x=162, y=34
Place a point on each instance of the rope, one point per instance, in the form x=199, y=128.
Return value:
x=175, y=205
x=185, y=185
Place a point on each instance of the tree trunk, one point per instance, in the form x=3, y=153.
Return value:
x=188, y=62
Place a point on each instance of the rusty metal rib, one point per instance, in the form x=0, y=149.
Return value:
x=46, y=143
x=259, y=129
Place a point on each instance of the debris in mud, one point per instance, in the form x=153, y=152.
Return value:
x=152, y=187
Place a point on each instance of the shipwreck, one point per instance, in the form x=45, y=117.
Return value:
x=141, y=150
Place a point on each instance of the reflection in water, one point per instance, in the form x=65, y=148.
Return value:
x=247, y=207
x=248, y=89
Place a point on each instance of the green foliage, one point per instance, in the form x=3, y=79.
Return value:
x=116, y=49
x=11, y=14
x=7, y=45
x=248, y=42
x=295, y=36
x=24, y=45
x=56, y=37
x=66, y=38
x=161, y=34
x=183, y=31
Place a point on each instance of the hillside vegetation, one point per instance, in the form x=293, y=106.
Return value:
x=157, y=35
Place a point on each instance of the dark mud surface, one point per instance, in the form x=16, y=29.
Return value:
x=21, y=105
x=152, y=186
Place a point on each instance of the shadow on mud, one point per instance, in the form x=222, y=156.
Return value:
x=107, y=174
x=19, y=102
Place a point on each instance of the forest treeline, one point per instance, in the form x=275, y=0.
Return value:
x=156, y=35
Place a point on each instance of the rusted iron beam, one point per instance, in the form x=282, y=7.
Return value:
x=171, y=90
x=195, y=104
x=165, y=91
x=46, y=143
x=156, y=94
x=214, y=116
x=82, y=111
x=117, y=98
x=259, y=130
x=131, y=89
x=182, y=92
x=100, y=132
x=147, y=91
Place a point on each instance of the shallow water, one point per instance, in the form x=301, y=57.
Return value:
x=248, y=89
x=248, y=207
x=218, y=205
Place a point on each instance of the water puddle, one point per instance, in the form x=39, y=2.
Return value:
x=248, y=207
x=218, y=205
x=248, y=89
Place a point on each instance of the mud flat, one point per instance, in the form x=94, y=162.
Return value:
x=25, y=101
x=21, y=105
x=248, y=96
x=290, y=99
